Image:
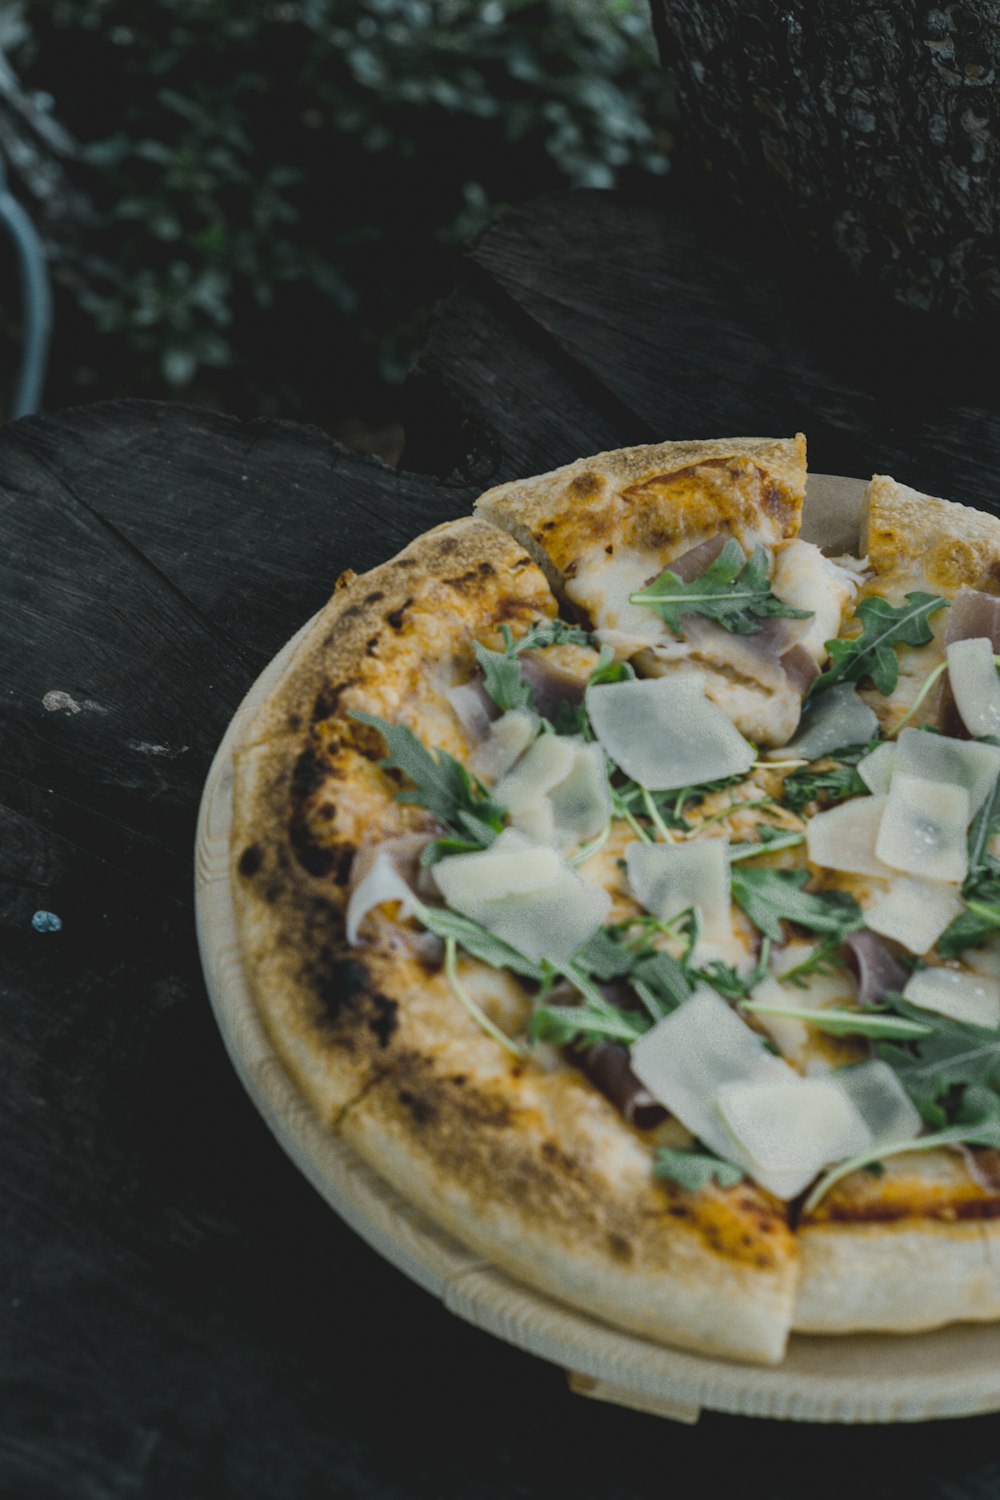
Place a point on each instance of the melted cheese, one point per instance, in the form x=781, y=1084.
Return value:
x=806, y=579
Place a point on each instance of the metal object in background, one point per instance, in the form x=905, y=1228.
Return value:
x=36, y=301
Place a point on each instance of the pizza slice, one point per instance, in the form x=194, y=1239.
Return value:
x=605, y=530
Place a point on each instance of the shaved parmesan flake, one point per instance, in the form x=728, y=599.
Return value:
x=876, y=769
x=965, y=997
x=548, y=761
x=469, y=702
x=509, y=737
x=686, y=1058
x=974, y=684
x=525, y=894
x=664, y=733
x=537, y=821
x=938, y=757
x=581, y=803
x=844, y=838
x=788, y=1131
x=881, y=1100
x=914, y=912
x=383, y=882
x=513, y=864
x=838, y=718
x=923, y=826
x=668, y=878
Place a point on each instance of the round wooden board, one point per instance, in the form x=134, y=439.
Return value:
x=952, y=1372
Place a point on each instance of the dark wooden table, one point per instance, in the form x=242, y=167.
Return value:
x=180, y=1315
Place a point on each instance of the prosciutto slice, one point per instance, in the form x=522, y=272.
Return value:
x=875, y=968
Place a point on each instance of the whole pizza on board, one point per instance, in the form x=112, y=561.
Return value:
x=615, y=873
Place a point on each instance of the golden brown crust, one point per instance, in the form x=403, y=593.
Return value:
x=376, y=1038
x=657, y=499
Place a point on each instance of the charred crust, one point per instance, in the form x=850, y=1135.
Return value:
x=620, y=1248
x=307, y=777
x=422, y=1110
x=586, y=484
x=375, y=597
x=339, y=984
x=371, y=646
x=295, y=722
x=463, y=581
x=313, y=859
x=327, y=700
x=957, y=1211
x=385, y=1020
x=394, y=619
x=250, y=860
x=486, y=569
x=522, y=562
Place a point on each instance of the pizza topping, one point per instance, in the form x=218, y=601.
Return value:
x=881, y=1100
x=923, y=827
x=733, y=590
x=876, y=970
x=771, y=897
x=686, y=1058
x=837, y=718
x=914, y=913
x=377, y=876
x=972, y=674
x=950, y=992
x=876, y=768
x=607, y=1066
x=546, y=763
x=973, y=614
x=664, y=733
x=581, y=802
x=509, y=737
x=870, y=653
x=525, y=894
x=844, y=838
x=937, y=757
x=474, y=709
x=503, y=677
x=818, y=585
x=668, y=879
x=788, y=1130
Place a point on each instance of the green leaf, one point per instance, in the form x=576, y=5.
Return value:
x=871, y=653
x=986, y=1133
x=938, y=1070
x=771, y=839
x=477, y=940
x=831, y=785
x=771, y=896
x=840, y=1021
x=502, y=678
x=733, y=590
x=440, y=783
x=694, y=1170
x=591, y=1021
x=981, y=887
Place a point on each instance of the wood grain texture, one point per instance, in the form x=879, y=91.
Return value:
x=696, y=325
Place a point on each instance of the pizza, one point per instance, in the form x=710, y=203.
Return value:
x=615, y=874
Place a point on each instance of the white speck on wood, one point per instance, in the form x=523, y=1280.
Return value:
x=145, y=748
x=55, y=701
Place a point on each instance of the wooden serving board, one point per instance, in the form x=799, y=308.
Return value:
x=951, y=1372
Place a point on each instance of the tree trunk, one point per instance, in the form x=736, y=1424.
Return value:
x=873, y=127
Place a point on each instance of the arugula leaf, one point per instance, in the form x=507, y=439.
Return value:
x=938, y=1071
x=843, y=780
x=727, y=979
x=502, y=678
x=440, y=783
x=477, y=940
x=870, y=654
x=825, y=958
x=547, y=633
x=694, y=1170
x=981, y=887
x=984, y=1133
x=840, y=1021
x=610, y=670
x=770, y=841
x=592, y=1021
x=733, y=590
x=770, y=896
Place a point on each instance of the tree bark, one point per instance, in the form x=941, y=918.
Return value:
x=872, y=127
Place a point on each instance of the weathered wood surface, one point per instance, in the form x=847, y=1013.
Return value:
x=181, y=1315
x=873, y=128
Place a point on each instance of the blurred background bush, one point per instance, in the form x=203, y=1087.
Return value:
x=253, y=206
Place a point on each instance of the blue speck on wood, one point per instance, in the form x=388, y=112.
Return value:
x=46, y=921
